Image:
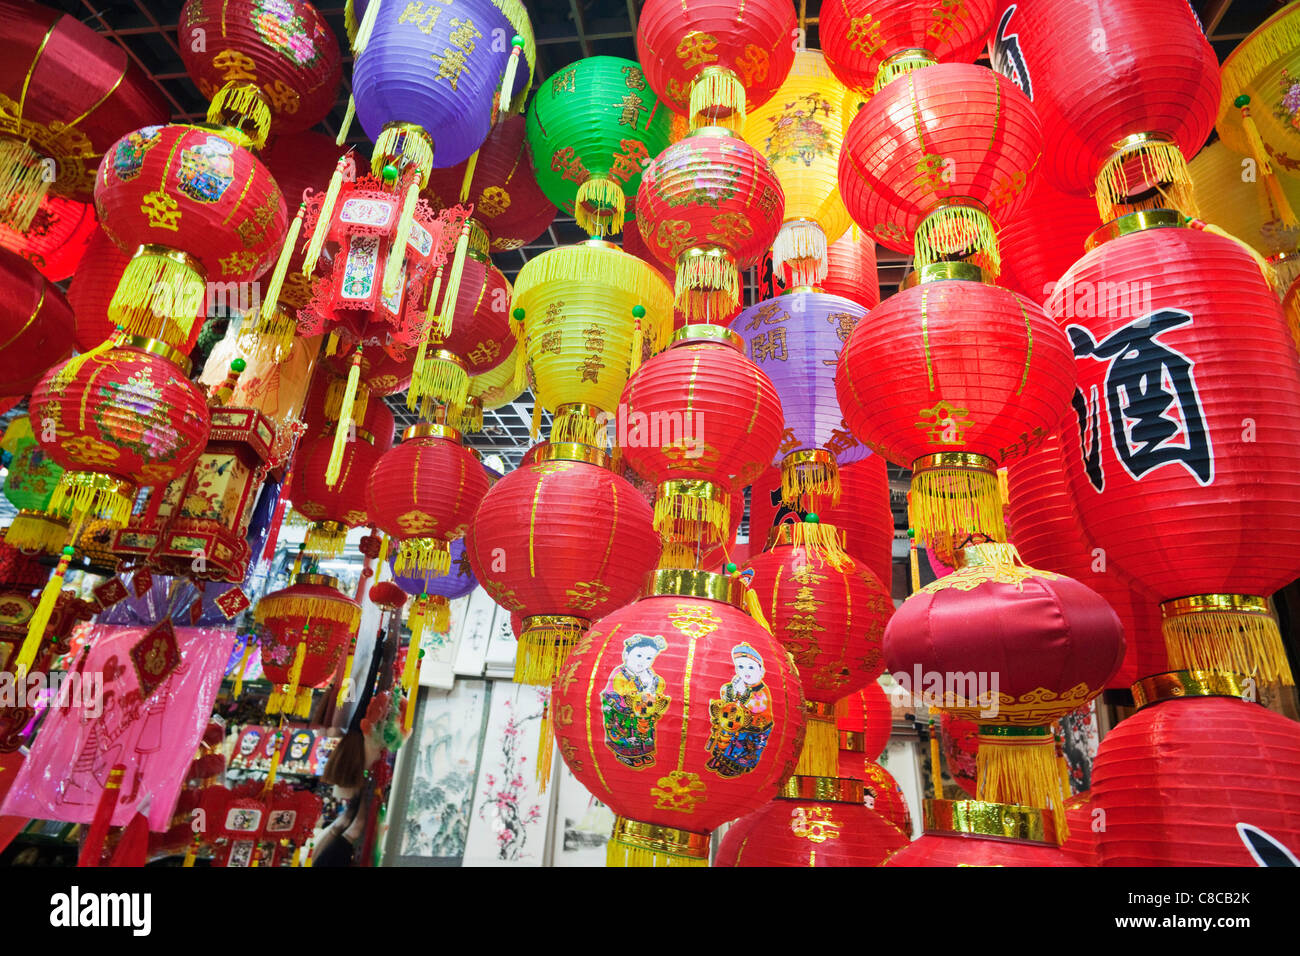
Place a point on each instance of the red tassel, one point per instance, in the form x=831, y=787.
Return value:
x=93, y=848
x=133, y=847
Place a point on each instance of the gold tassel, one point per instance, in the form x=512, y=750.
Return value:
x=821, y=541
x=82, y=494
x=303, y=708
x=755, y=608
x=346, y=127
x=1159, y=161
x=519, y=378
x=324, y=219
x=243, y=666
x=801, y=244
x=545, y=749
x=708, y=286
x=343, y=431
x=395, y=264
x=242, y=100
x=1019, y=766
x=410, y=679
x=717, y=99
x=467, y=180
x=324, y=539
x=1276, y=195
x=575, y=425
x=331, y=344
x=675, y=554
x=946, y=502
x=384, y=543
x=447, y=312
x=25, y=180
x=290, y=691
x=443, y=379
x=544, y=646
x=936, y=761
x=271, y=322
x=913, y=559
x=160, y=296
x=346, y=682
x=367, y=27
x=957, y=231
x=423, y=555
x=350, y=21
x=693, y=511
x=191, y=854
x=1241, y=641
x=600, y=207
x=517, y=14
x=535, y=426
x=804, y=474
x=504, y=99
x=274, y=769
x=821, y=748
x=336, y=391
x=40, y=618
x=36, y=531
x=619, y=854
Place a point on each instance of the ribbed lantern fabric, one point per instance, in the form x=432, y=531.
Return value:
x=92, y=288
x=305, y=632
x=678, y=713
x=865, y=722
x=800, y=131
x=990, y=839
x=851, y=269
x=424, y=494
x=1182, y=782
x=58, y=237
x=1155, y=74
x=36, y=325
x=285, y=48
x=1082, y=842
x=563, y=541
x=859, y=35
x=331, y=509
x=883, y=794
x=440, y=68
x=481, y=333
x=711, y=59
x=916, y=387
x=806, y=833
x=635, y=245
x=711, y=205
x=937, y=155
x=590, y=129
x=1191, y=489
x=51, y=117
x=1043, y=239
x=1263, y=67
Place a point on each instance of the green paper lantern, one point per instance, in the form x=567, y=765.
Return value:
x=29, y=485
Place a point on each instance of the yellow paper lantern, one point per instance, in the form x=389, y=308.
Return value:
x=800, y=131
x=1266, y=68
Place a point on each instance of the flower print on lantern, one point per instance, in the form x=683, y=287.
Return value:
x=207, y=169
x=796, y=133
x=281, y=27
x=1288, y=107
x=633, y=701
x=742, y=719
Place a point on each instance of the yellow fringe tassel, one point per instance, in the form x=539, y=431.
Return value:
x=820, y=476
x=1158, y=162
x=93, y=495
x=545, y=749
x=302, y=708
x=577, y=426
x=410, y=680
x=958, y=232
x=36, y=531
x=243, y=666
x=336, y=392
x=708, y=287
x=543, y=649
x=821, y=748
x=519, y=377
x=343, y=431
x=242, y=100
x=535, y=426
x=822, y=541
x=324, y=219
x=1243, y=642
x=423, y=555
x=430, y=611
x=801, y=244
x=345, y=127
x=340, y=611
x=682, y=516
x=447, y=313
x=288, y=700
x=404, y=147
x=274, y=770
x=600, y=207
x=1022, y=771
x=367, y=27
x=467, y=180
x=717, y=99
x=504, y=99
x=346, y=683
x=675, y=554
x=936, y=761
x=40, y=618
x=159, y=297
x=325, y=542
x=25, y=180
x=947, y=503
x=271, y=321
x=1276, y=39
x=913, y=561
x=639, y=280
x=620, y=854
x=395, y=264
x=350, y=22
x=444, y=381
x=331, y=344
x=755, y=608
x=1280, y=204
x=191, y=854
x=517, y=14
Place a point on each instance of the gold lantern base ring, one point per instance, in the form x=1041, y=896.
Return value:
x=545, y=641
x=811, y=472
x=1020, y=765
x=162, y=295
x=1225, y=632
x=638, y=844
x=717, y=99
x=1145, y=171
x=600, y=207
x=823, y=789
x=995, y=821
x=900, y=64
x=708, y=284
x=582, y=424
x=955, y=496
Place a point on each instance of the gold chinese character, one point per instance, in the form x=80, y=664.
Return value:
x=634, y=78
x=681, y=790
x=769, y=345
x=630, y=110
x=450, y=65
x=629, y=162
x=485, y=352
x=814, y=824
x=944, y=424
x=563, y=82
x=464, y=33
x=563, y=161
x=766, y=315
x=864, y=34
x=752, y=64
x=585, y=595
x=235, y=66
x=696, y=48
x=423, y=19
x=590, y=368
x=694, y=620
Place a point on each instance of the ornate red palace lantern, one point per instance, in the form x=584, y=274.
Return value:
x=1049, y=643
x=709, y=59
x=1121, y=117
x=679, y=712
x=1198, y=777
x=563, y=541
x=332, y=508
x=36, y=325
x=953, y=377
x=53, y=131
x=978, y=833
x=57, y=239
x=424, y=493
x=1166, y=416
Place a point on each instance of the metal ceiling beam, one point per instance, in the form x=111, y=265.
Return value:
x=580, y=24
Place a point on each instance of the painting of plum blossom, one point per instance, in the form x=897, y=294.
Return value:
x=511, y=816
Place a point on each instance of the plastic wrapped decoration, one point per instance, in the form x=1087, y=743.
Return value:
x=306, y=630
x=982, y=833
x=57, y=239
x=53, y=132
x=591, y=130
x=170, y=599
x=29, y=485
x=36, y=325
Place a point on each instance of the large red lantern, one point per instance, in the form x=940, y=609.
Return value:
x=953, y=378
x=1182, y=460
x=564, y=541
x=424, y=493
x=481, y=335
x=1198, y=777
x=851, y=269
x=679, y=712
x=36, y=325
x=1120, y=116
x=57, y=239
x=979, y=833
x=306, y=629
x=332, y=509
x=1044, y=239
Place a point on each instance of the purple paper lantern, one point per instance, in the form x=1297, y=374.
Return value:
x=796, y=339
x=434, y=593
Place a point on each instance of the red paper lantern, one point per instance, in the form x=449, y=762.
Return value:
x=481, y=334
x=382, y=371
x=1082, y=842
x=36, y=325
x=883, y=795
x=306, y=629
x=939, y=158
x=709, y=59
x=634, y=245
x=1119, y=116
x=976, y=833
x=953, y=378
x=859, y=36
x=1044, y=239
x=679, y=712
x=712, y=205
x=1194, y=779
x=332, y=509
x=190, y=204
x=851, y=269
x=92, y=288
x=424, y=493
x=57, y=238
x=828, y=824
x=865, y=722
x=1181, y=465
x=564, y=541
x=960, y=740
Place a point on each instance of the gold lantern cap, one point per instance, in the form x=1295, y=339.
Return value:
x=996, y=821
x=1171, y=685
x=823, y=789
x=1132, y=222
x=687, y=582
x=707, y=332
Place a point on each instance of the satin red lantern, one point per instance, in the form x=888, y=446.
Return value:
x=92, y=288
x=978, y=833
x=1181, y=459
x=424, y=493
x=564, y=541
x=36, y=325
x=382, y=371
x=679, y=712
x=332, y=509
x=56, y=240
x=306, y=629
x=1040, y=242
x=953, y=378
x=1198, y=777
x=1120, y=117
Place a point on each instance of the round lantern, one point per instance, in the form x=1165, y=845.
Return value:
x=382, y=373
x=92, y=288
x=36, y=325
x=635, y=245
x=423, y=493
x=937, y=160
x=1165, y=415
x=591, y=129
x=830, y=613
x=800, y=131
x=1236, y=203
x=1049, y=643
x=284, y=50
x=563, y=540
x=57, y=239
x=711, y=205
x=701, y=421
x=481, y=334
x=979, y=833
x=29, y=485
x=1043, y=239
x=864, y=720
x=1082, y=842
x=1224, y=770
x=851, y=269
x=679, y=712
x=434, y=592
x=191, y=204
x=952, y=378
x=586, y=312
x=868, y=43
x=68, y=92
x=332, y=509
x=306, y=629
x=1147, y=99
x=882, y=794
x=816, y=821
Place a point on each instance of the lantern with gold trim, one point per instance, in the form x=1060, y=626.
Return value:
x=679, y=712
x=305, y=631
x=332, y=509
x=29, y=485
x=984, y=833
x=57, y=239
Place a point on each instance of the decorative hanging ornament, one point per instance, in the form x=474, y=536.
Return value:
x=306, y=629
x=981, y=833
x=433, y=592
x=679, y=712
x=29, y=485
x=1161, y=407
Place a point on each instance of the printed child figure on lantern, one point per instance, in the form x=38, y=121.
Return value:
x=741, y=719
x=633, y=701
